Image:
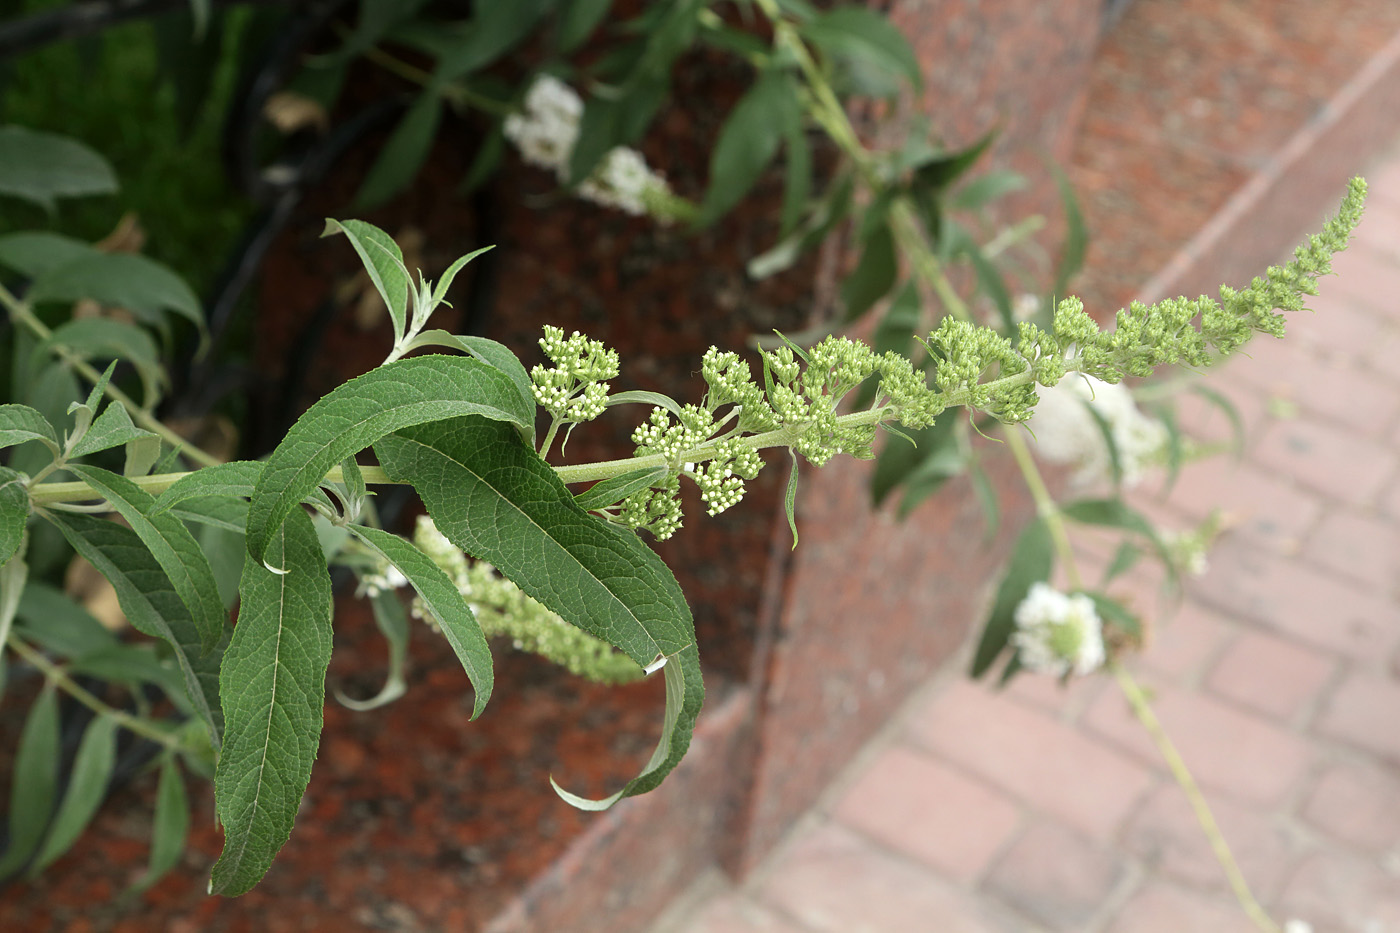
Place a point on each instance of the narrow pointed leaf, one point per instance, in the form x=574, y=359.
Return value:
x=273, y=689
x=383, y=261
x=20, y=423
x=172, y=545
x=790, y=499
x=14, y=513
x=124, y=280
x=747, y=142
x=34, y=779
x=444, y=283
x=92, y=769
x=643, y=397
x=403, y=153
x=442, y=599
x=48, y=616
x=171, y=825
x=360, y=412
x=33, y=252
x=493, y=496
x=150, y=604
x=226, y=479
x=489, y=352
x=868, y=37
x=111, y=429
x=1031, y=562
x=615, y=489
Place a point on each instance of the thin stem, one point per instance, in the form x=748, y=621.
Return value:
x=1143, y=710
x=59, y=677
x=1045, y=505
x=20, y=311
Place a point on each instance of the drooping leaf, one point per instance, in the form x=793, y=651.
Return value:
x=1031, y=562
x=1115, y=513
x=483, y=349
x=101, y=337
x=403, y=153
x=939, y=170
x=643, y=397
x=169, y=828
x=170, y=543
x=392, y=623
x=440, y=595
x=33, y=252
x=383, y=260
x=990, y=281
x=42, y=167
x=868, y=41
x=987, y=497
x=150, y=604
x=35, y=778
x=20, y=423
x=790, y=499
x=360, y=412
x=1076, y=242
x=748, y=141
x=873, y=276
x=1110, y=443
x=577, y=22
x=227, y=551
x=614, y=489
x=273, y=690
x=111, y=429
x=494, y=498
x=986, y=189
x=47, y=615
x=87, y=785
x=14, y=512
x=124, y=280
x=131, y=664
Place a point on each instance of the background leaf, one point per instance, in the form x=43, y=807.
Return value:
x=748, y=141
x=14, y=513
x=403, y=153
x=123, y=280
x=1031, y=562
x=41, y=167
x=273, y=690
x=868, y=41
x=32, y=789
x=87, y=785
x=171, y=825
x=873, y=276
x=392, y=623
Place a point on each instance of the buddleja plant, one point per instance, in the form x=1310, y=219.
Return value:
x=459, y=427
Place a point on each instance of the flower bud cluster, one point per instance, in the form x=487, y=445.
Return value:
x=574, y=390
x=502, y=609
x=657, y=509
x=721, y=481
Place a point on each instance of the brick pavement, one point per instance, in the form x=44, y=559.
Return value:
x=1041, y=809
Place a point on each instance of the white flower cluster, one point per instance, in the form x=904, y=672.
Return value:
x=721, y=481
x=546, y=132
x=577, y=359
x=1058, y=634
x=1067, y=432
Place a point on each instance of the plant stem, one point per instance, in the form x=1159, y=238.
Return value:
x=1143, y=710
x=1045, y=505
x=20, y=311
x=59, y=677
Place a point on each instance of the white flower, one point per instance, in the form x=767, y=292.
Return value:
x=385, y=578
x=1066, y=432
x=546, y=132
x=1297, y=926
x=1056, y=633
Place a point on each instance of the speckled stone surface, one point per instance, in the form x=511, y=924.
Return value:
x=419, y=820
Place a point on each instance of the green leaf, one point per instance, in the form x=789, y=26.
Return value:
x=642, y=397
x=41, y=167
x=1123, y=560
x=578, y=21
x=1114, y=612
x=360, y=412
x=168, y=830
x=616, y=488
x=490, y=154
x=111, y=429
x=34, y=779
x=150, y=604
x=440, y=595
x=748, y=141
x=1232, y=414
x=1031, y=562
x=124, y=280
x=990, y=281
x=273, y=689
x=142, y=452
x=873, y=276
x=898, y=460
x=440, y=292
x=986, y=189
x=47, y=615
x=493, y=497
x=87, y=785
x=20, y=423
x=227, y=552
x=484, y=350
x=132, y=664
x=403, y=154
x=170, y=543
x=34, y=252
x=935, y=173
x=830, y=211
x=14, y=513
x=392, y=623
x=986, y=497
x=101, y=337
x=495, y=29
x=1115, y=458
x=865, y=38
x=1076, y=237
x=797, y=175
x=383, y=260
x=1115, y=513
x=790, y=498
x=1175, y=449
x=236, y=478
